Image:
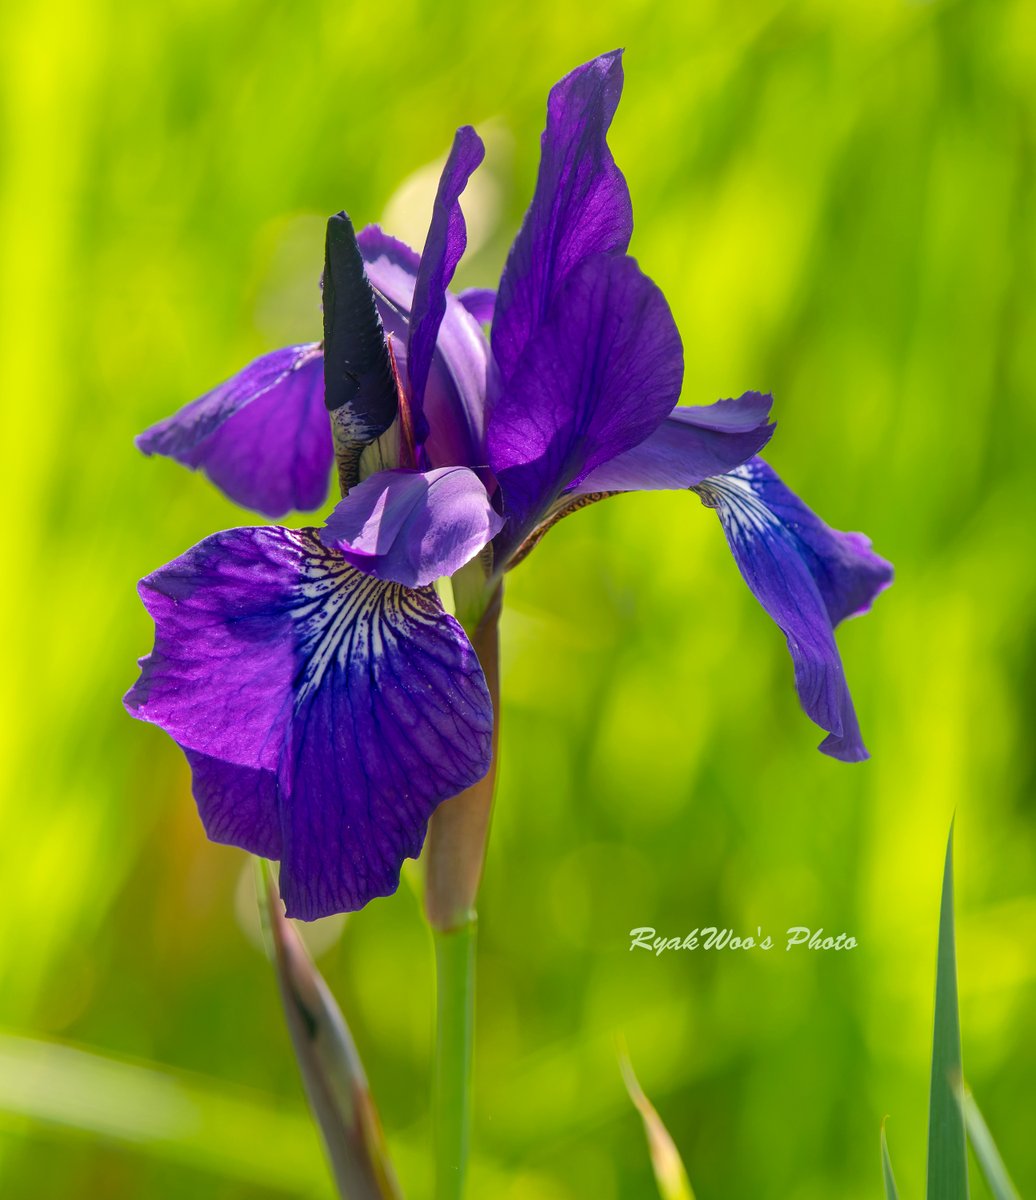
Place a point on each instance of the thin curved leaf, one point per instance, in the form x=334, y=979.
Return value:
x=670, y=1174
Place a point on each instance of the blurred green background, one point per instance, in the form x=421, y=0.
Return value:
x=838, y=200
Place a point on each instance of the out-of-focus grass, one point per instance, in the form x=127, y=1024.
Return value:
x=838, y=202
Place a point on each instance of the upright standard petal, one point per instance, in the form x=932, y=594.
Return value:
x=454, y=398
x=443, y=249
x=581, y=206
x=691, y=444
x=355, y=705
x=601, y=374
x=360, y=388
x=808, y=577
x=262, y=437
x=413, y=527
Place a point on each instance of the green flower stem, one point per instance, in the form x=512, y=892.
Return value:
x=454, y=856
x=454, y=1040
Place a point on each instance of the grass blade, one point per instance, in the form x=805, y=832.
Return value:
x=985, y=1149
x=886, y=1168
x=947, y=1150
x=670, y=1174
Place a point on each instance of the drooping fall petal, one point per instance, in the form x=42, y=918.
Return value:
x=808, y=577
x=362, y=699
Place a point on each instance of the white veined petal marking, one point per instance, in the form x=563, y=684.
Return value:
x=747, y=515
x=342, y=616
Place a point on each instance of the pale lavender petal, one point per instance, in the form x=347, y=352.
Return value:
x=808, y=577
x=454, y=400
x=391, y=265
x=691, y=444
x=262, y=437
x=480, y=302
x=581, y=206
x=413, y=527
x=443, y=249
x=601, y=374
x=362, y=699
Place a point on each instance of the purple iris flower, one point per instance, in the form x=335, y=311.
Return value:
x=325, y=700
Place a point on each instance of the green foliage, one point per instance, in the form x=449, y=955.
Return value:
x=951, y=1109
x=947, y=1148
x=838, y=201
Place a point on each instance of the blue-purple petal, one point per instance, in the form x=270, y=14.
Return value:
x=262, y=437
x=396, y=719
x=808, y=577
x=603, y=371
x=443, y=249
x=581, y=206
x=413, y=527
x=363, y=699
x=237, y=805
x=692, y=443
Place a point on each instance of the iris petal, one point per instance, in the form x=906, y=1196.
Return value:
x=480, y=302
x=413, y=527
x=601, y=373
x=581, y=206
x=443, y=249
x=262, y=436
x=808, y=577
x=237, y=805
x=363, y=699
x=691, y=444
x=455, y=394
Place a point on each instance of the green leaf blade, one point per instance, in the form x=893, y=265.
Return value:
x=947, y=1149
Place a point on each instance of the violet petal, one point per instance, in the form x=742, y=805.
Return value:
x=443, y=249
x=413, y=527
x=455, y=393
x=262, y=437
x=808, y=577
x=691, y=444
x=363, y=699
x=581, y=206
x=603, y=371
